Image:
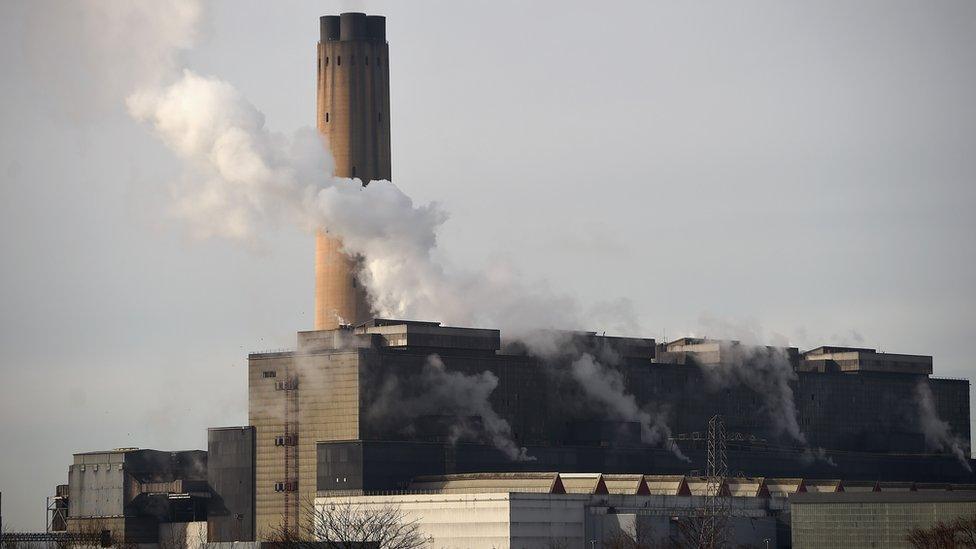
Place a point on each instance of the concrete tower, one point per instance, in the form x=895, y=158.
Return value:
x=353, y=112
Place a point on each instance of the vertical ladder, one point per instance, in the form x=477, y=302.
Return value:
x=291, y=458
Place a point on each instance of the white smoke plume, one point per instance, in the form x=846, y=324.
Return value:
x=239, y=178
x=437, y=391
x=606, y=386
x=767, y=371
x=938, y=434
x=592, y=367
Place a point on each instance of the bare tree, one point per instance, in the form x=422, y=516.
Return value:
x=348, y=525
x=382, y=528
x=690, y=533
x=173, y=538
x=954, y=534
x=639, y=536
x=557, y=543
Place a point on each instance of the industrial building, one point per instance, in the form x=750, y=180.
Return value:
x=135, y=495
x=542, y=510
x=454, y=424
x=353, y=408
x=332, y=397
x=873, y=519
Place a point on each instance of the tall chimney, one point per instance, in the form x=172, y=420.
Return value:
x=354, y=113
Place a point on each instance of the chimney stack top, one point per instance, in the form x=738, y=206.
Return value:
x=352, y=26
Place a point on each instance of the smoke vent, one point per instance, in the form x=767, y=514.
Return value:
x=352, y=26
x=329, y=25
x=376, y=28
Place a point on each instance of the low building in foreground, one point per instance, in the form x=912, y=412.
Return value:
x=531, y=520
x=873, y=519
x=133, y=496
x=542, y=510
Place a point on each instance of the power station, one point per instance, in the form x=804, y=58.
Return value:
x=357, y=408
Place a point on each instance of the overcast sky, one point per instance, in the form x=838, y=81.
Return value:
x=800, y=172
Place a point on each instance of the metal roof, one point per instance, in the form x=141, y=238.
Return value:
x=583, y=483
x=625, y=484
x=490, y=483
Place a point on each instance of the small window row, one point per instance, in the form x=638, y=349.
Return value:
x=290, y=486
x=379, y=118
x=286, y=440
x=379, y=61
x=270, y=373
x=288, y=385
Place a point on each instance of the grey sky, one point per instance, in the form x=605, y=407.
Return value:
x=800, y=171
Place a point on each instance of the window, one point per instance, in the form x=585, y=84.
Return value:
x=381, y=118
x=339, y=60
x=279, y=487
x=326, y=118
x=270, y=373
x=354, y=171
x=326, y=61
x=286, y=440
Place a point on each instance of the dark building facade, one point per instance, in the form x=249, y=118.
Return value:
x=391, y=400
x=230, y=474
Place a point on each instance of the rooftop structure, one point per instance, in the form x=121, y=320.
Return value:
x=130, y=492
x=706, y=351
x=484, y=483
x=848, y=359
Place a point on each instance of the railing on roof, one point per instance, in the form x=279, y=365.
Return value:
x=57, y=537
x=434, y=492
x=271, y=351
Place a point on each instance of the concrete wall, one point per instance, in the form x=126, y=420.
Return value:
x=870, y=523
x=266, y=413
x=182, y=535
x=484, y=521
x=542, y=521
x=328, y=400
x=97, y=485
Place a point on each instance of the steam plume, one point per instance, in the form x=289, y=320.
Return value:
x=767, y=371
x=938, y=434
x=437, y=391
x=592, y=369
x=606, y=386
